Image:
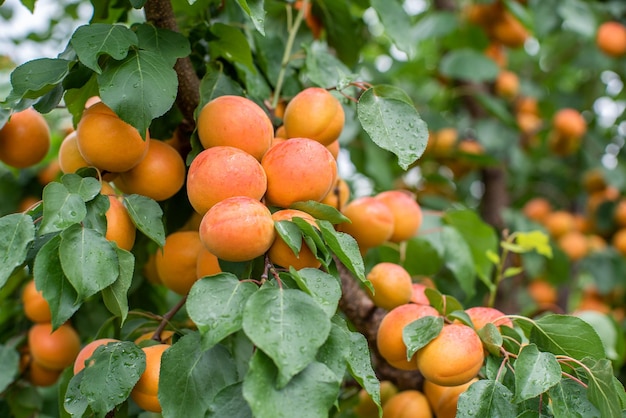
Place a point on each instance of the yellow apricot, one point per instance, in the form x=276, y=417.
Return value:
x=280, y=253
x=207, y=264
x=238, y=228
x=366, y=408
x=24, y=139
x=611, y=38
x=87, y=351
x=407, y=404
x=145, y=392
x=338, y=195
x=454, y=357
x=120, y=226
x=482, y=315
x=299, y=169
x=316, y=114
x=176, y=261
x=36, y=308
x=372, y=222
x=569, y=123
x=392, y=285
x=70, y=158
x=221, y=172
x=444, y=399
x=237, y=122
x=53, y=350
x=407, y=213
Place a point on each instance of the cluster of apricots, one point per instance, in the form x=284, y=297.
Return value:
x=499, y=23
x=47, y=352
x=24, y=139
x=449, y=363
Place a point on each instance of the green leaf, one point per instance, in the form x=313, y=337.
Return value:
x=343, y=30
x=491, y=338
x=88, y=259
x=288, y=325
x=601, y=390
x=421, y=258
x=345, y=248
x=61, y=208
x=435, y=25
x=569, y=400
x=113, y=371
x=420, y=332
x=320, y=211
x=535, y=373
x=312, y=237
x=389, y=117
x=578, y=17
x=396, y=23
x=215, y=83
x=147, y=217
x=608, y=331
x=115, y=296
x=290, y=233
x=534, y=240
x=229, y=402
x=323, y=68
x=309, y=394
x=9, y=365
x=483, y=238
x=566, y=335
x=486, y=398
x=231, y=45
x=468, y=64
x=191, y=377
x=86, y=187
x=168, y=44
x=17, y=232
x=324, y=288
x=92, y=41
x=360, y=365
x=215, y=304
x=53, y=284
x=335, y=351
x=37, y=77
x=255, y=10
x=139, y=88
x=75, y=403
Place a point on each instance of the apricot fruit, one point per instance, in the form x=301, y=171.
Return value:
x=38, y=375
x=299, y=169
x=569, y=123
x=107, y=142
x=418, y=294
x=235, y=121
x=316, y=114
x=120, y=226
x=483, y=315
x=559, y=222
x=443, y=142
x=366, y=408
x=542, y=292
x=444, y=399
x=389, y=335
x=372, y=222
x=619, y=213
x=497, y=53
x=537, y=209
x=176, y=261
x=53, y=350
x=507, y=84
x=508, y=31
x=239, y=228
x=611, y=39
x=221, y=172
x=146, y=390
x=24, y=139
x=407, y=404
x=619, y=241
x=159, y=176
x=407, y=213
x=454, y=357
x=392, y=285
x=574, y=244
x=165, y=337
x=280, y=253
x=207, y=264
x=87, y=351
x=338, y=195
x=36, y=308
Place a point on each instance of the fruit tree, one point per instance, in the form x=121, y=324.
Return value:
x=314, y=208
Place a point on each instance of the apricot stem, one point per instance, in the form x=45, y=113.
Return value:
x=165, y=319
x=293, y=30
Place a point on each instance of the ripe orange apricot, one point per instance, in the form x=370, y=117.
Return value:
x=407, y=213
x=417, y=294
x=159, y=176
x=36, y=308
x=53, y=350
x=507, y=84
x=372, y=221
x=334, y=148
x=443, y=142
x=559, y=222
x=41, y=376
x=527, y=104
x=542, y=292
x=237, y=122
x=297, y=170
x=574, y=244
x=389, y=336
x=366, y=408
x=619, y=213
x=454, y=357
x=280, y=253
x=87, y=351
x=50, y=172
x=207, y=263
x=239, y=228
x=338, y=195
x=107, y=142
x=482, y=315
x=176, y=261
x=145, y=392
x=537, y=209
x=120, y=226
x=569, y=123
x=594, y=181
x=220, y=172
x=149, y=270
x=611, y=39
x=619, y=241
x=316, y=114
x=392, y=285
x=407, y=404
x=24, y=139
x=508, y=31
x=496, y=52
x=444, y=399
